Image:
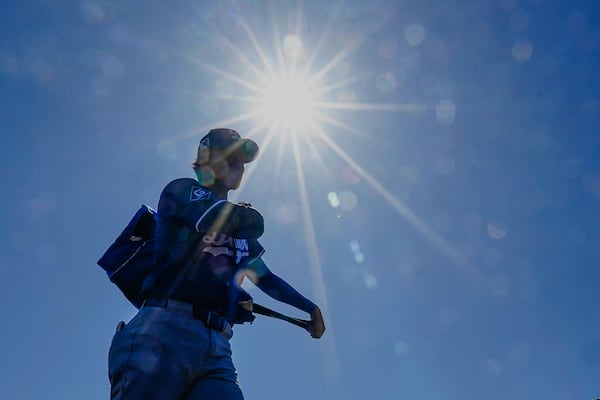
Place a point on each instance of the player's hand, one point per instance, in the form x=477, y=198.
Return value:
x=246, y=305
x=317, y=325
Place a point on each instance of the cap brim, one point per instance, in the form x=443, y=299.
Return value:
x=244, y=150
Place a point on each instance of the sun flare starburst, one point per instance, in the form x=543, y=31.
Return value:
x=288, y=104
x=284, y=97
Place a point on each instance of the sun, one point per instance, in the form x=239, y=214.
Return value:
x=287, y=104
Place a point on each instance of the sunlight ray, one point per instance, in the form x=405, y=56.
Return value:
x=309, y=229
x=335, y=60
x=243, y=99
x=277, y=41
x=454, y=255
x=293, y=64
x=372, y=106
x=322, y=39
x=197, y=61
x=279, y=160
x=330, y=357
x=258, y=48
x=221, y=123
x=335, y=122
x=310, y=141
x=240, y=118
x=265, y=144
x=240, y=54
x=346, y=82
x=224, y=74
x=299, y=16
x=354, y=44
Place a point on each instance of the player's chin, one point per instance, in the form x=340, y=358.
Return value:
x=235, y=184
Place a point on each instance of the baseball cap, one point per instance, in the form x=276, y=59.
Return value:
x=229, y=140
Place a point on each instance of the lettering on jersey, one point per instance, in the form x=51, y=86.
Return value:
x=241, y=244
x=222, y=244
x=211, y=238
x=199, y=193
x=218, y=251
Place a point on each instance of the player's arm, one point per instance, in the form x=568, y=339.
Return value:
x=271, y=284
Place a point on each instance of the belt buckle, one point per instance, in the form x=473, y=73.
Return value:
x=215, y=321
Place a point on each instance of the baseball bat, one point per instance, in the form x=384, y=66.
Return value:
x=302, y=323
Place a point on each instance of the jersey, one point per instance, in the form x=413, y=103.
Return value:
x=201, y=244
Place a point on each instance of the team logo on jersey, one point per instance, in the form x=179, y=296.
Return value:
x=199, y=193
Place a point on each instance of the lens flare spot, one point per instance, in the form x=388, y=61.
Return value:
x=496, y=230
x=414, y=34
x=292, y=46
x=334, y=200
x=358, y=255
x=522, y=50
x=401, y=348
x=148, y=362
x=385, y=82
x=370, y=281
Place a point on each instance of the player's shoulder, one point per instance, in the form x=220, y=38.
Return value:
x=181, y=183
x=188, y=189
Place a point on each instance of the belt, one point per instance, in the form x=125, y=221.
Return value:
x=211, y=319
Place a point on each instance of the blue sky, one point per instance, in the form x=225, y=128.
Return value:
x=441, y=202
